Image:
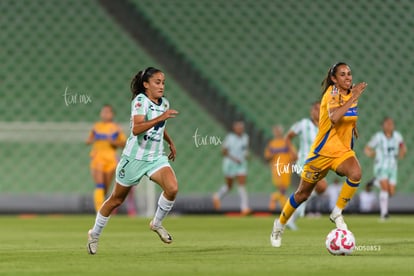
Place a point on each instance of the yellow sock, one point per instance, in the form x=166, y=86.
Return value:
x=99, y=196
x=288, y=209
x=347, y=192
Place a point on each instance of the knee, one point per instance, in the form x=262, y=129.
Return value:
x=171, y=190
x=355, y=175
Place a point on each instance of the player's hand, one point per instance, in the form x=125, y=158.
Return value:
x=170, y=113
x=173, y=152
x=358, y=89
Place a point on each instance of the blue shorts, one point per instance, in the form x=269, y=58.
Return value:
x=130, y=170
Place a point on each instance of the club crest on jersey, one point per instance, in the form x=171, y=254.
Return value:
x=121, y=173
x=335, y=91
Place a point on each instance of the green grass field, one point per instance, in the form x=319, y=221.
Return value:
x=203, y=245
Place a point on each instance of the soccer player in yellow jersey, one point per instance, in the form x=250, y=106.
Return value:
x=331, y=149
x=105, y=137
x=280, y=154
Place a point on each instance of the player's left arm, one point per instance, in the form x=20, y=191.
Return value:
x=173, y=151
x=355, y=132
x=402, y=151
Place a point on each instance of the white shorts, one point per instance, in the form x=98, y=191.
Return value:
x=382, y=173
x=232, y=169
x=130, y=170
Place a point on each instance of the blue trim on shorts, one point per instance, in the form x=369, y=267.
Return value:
x=293, y=202
x=352, y=184
x=312, y=158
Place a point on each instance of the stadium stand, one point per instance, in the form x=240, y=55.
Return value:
x=270, y=56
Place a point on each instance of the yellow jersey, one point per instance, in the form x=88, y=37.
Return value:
x=103, y=132
x=278, y=149
x=335, y=140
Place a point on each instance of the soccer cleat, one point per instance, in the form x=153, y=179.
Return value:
x=162, y=233
x=216, y=202
x=276, y=236
x=92, y=245
x=339, y=221
x=384, y=218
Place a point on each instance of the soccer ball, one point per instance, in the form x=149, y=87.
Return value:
x=340, y=242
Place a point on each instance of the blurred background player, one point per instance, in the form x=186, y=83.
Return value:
x=280, y=154
x=332, y=148
x=387, y=146
x=306, y=130
x=368, y=199
x=235, y=151
x=106, y=137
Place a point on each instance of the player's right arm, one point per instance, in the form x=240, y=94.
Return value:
x=140, y=125
x=369, y=149
x=370, y=152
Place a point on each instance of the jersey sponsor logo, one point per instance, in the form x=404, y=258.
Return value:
x=154, y=139
x=152, y=108
x=138, y=104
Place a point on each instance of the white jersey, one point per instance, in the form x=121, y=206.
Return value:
x=306, y=131
x=386, y=148
x=149, y=145
x=237, y=146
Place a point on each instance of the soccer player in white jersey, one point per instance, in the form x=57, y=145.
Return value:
x=143, y=154
x=387, y=146
x=235, y=151
x=306, y=130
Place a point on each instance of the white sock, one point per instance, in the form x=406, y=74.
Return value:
x=100, y=223
x=222, y=191
x=244, y=201
x=277, y=224
x=336, y=211
x=383, y=202
x=164, y=207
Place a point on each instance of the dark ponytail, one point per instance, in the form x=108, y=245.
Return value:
x=328, y=79
x=137, y=83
